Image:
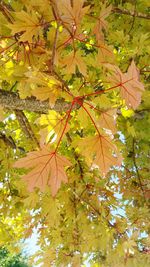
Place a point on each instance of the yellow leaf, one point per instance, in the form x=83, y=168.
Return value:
x=43, y=86
x=127, y=113
x=83, y=117
x=27, y=25
x=55, y=126
x=130, y=129
x=1, y=114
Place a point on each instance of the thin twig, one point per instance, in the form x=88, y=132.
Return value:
x=132, y=25
x=130, y=13
x=8, y=140
x=6, y=9
x=83, y=200
x=76, y=156
x=76, y=234
x=54, y=48
x=136, y=167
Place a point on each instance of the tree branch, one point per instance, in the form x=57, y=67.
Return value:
x=130, y=13
x=54, y=47
x=83, y=201
x=5, y=9
x=76, y=156
x=11, y=101
x=25, y=125
x=8, y=140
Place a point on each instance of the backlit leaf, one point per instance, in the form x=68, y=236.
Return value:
x=27, y=25
x=100, y=151
x=108, y=120
x=47, y=169
x=73, y=60
x=131, y=87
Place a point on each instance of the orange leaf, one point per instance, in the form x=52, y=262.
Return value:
x=131, y=87
x=104, y=53
x=102, y=23
x=107, y=120
x=71, y=14
x=47, y=169
x=72, y=60
x=102, y=150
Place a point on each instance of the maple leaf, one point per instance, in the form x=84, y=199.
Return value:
x=82, y=115
x=101, y=148
x=47, y=169
x=102, y=23
x=72, y=14
x=44, y=9
x=131, y=87
x=43, y=86
x=133, y=91
x=26, y=24
x=108, y=120
x=104, y=53
x=54, y=126
x=72, y=60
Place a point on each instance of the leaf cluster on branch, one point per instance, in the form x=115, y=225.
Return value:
x=74, y=90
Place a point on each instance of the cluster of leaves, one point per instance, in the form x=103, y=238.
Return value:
x=9, y=260
x=77, y=171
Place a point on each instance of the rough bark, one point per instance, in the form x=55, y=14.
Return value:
x=12, y=101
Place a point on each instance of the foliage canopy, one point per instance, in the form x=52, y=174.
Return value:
x=10, y=260
x=74, y=127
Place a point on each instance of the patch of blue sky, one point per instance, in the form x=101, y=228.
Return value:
x=31, y=246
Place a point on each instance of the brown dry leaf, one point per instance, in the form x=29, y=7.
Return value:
x=47, y=169
x=108, y=120
x=131, y=87
x=104, y=152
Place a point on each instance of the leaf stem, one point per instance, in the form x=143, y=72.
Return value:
x=67, y=119
x=54, y=47
x=91, y=119
x=102, y=91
